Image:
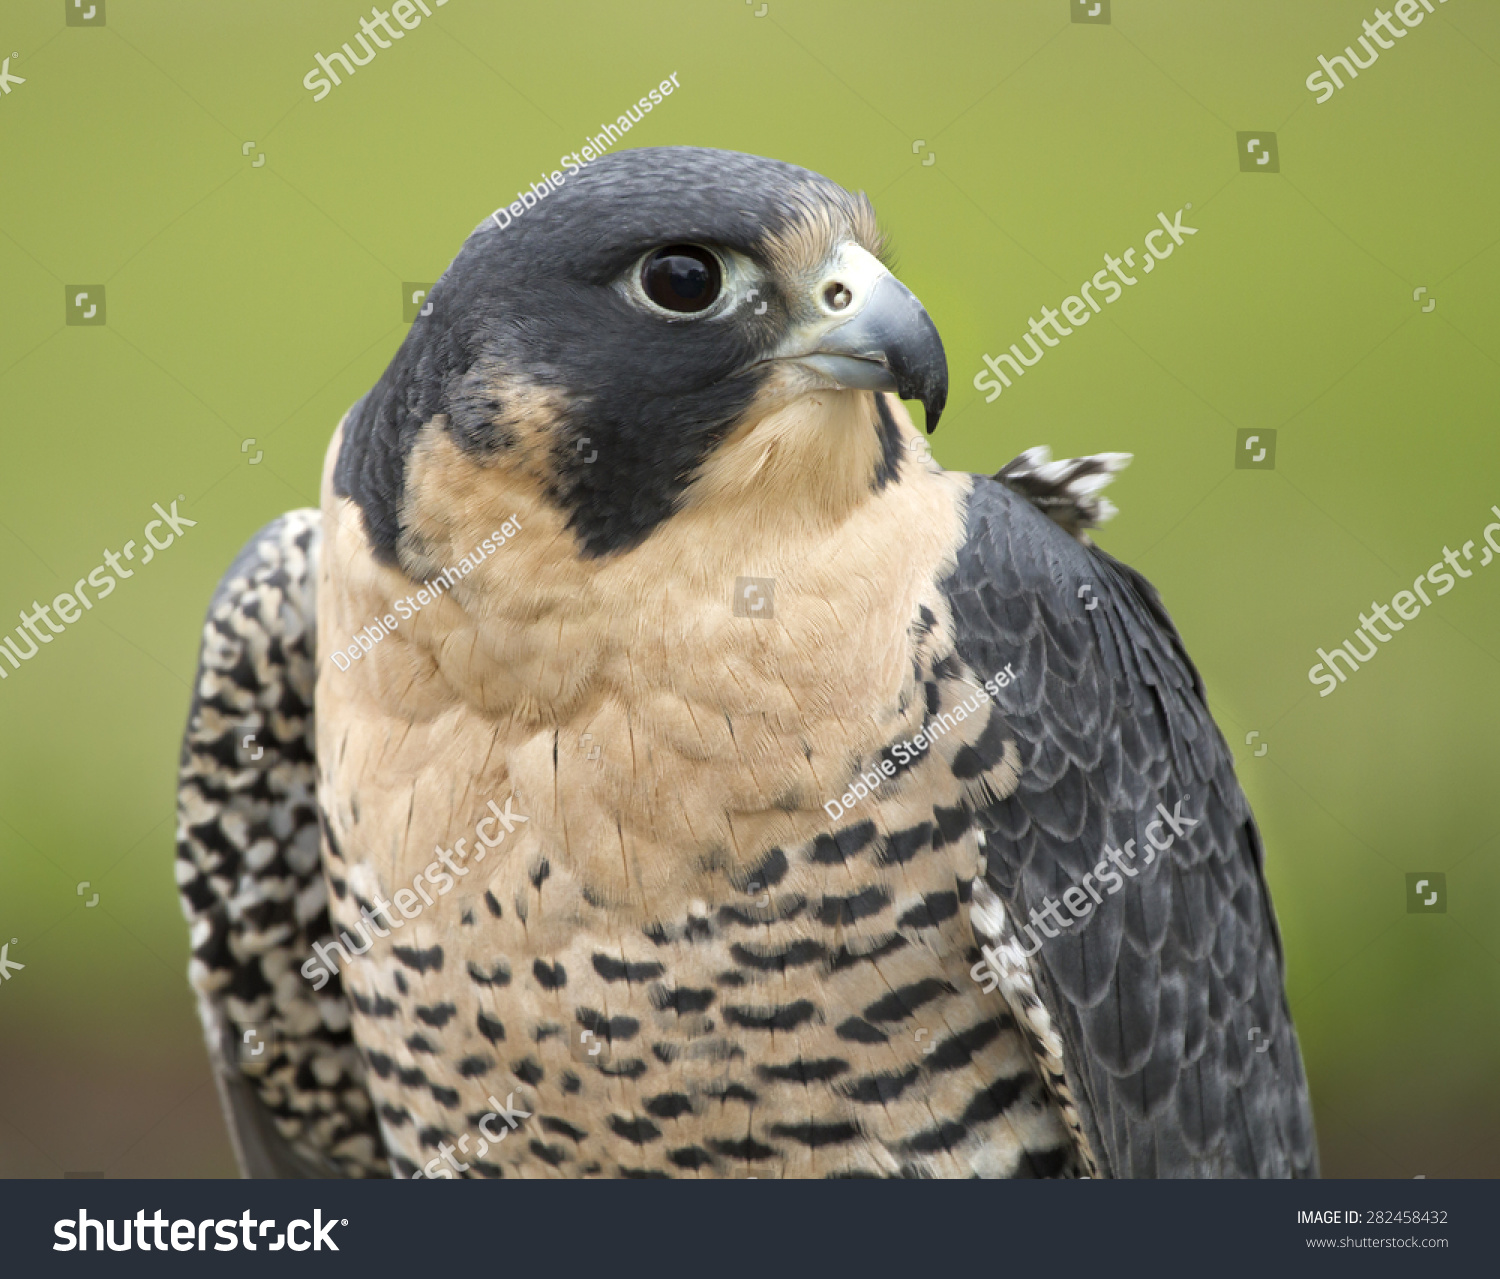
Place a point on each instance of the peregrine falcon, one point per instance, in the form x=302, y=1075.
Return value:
x=650, y=762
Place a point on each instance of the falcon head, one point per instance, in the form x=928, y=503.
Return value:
x=669, y=326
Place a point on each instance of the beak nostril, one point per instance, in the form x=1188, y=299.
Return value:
x=837, y=296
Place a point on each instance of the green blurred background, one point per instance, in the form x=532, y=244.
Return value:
x=254, y=300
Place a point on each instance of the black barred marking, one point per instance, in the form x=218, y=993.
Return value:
x=420, y=1044
x=935, y=908
x=380, y=1006
x=637, y=1131
x=549, y=976
x=797, y=955
x=845, y=958
x=683, y=1000
x=540, y=873
x=554, y=1155
x=733, y=1092
x=669, y=1105
x=952, y=825
x=804, y=1072
x=612, y=969
x=562, y=1128
x=445, y=1097
x=609, y=1028
x=989, y=1103
x=859, y=1031
x=491, y=1028
x=473, y=1066
x=437, y=1015
x=747, y=1149
x=785, y=1017
x=657, y=935
x=499, y=975
x=767, y=873
x=970, y=762
x=816, y=1135
x=665, y=1053
x=833, y=911
x=842, y=845
x=380, y=1064
x=691, y=1158
x=413, y=1078
x=1047, y=1163
x=901, y=846
x=631, y=1068
x=994, y=1100
x=904, y=1001
x=528, y=1070
x=492, y=905
x=420, y=961
x=395, y=1116
x=959, y=1049
x=877, y=1090
x=431, y=1138
x=570, y=1082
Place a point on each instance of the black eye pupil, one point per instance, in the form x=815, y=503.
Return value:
x=682, y=278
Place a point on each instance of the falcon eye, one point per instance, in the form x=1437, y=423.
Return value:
x=682, y=278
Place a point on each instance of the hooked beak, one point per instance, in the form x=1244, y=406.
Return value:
x=888, y=342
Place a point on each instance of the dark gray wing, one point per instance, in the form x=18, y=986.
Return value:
x=1167, y=991
x=250, y=873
